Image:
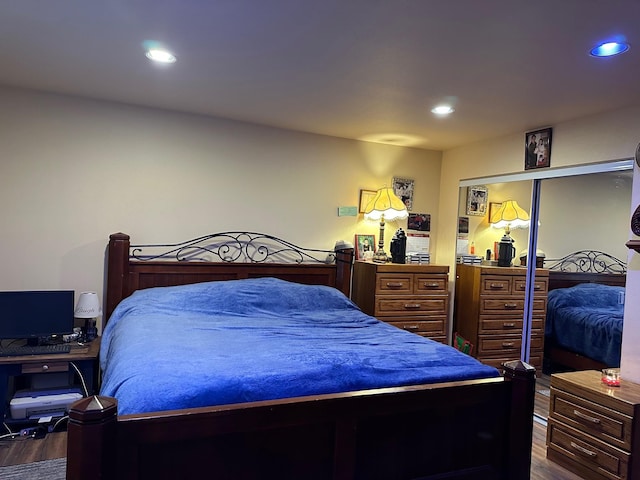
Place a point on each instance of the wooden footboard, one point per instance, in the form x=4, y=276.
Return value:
x=472, y=429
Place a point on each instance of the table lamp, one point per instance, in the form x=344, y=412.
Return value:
x=509, y=215
x=385, y=205
x=88, y=307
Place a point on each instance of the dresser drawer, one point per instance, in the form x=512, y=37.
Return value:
x=430, y=284
x=428, y=327
x=394, y=283
x=600, y=422
x=496, y=285
x=513, y=305
x=535, y=359
x=504, y=324
x=540, y=286
x=387, y=305
x=505, y=344
x=589, y=452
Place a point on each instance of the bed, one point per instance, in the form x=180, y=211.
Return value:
x=583, y=329
x=464, y=420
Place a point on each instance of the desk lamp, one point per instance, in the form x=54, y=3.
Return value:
x=88, y=307
x=385, y=205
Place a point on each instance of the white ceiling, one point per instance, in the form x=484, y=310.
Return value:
x=363, y=69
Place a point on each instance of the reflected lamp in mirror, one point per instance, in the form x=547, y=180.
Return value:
x=509, y=215
x=384, y=206
x=88, y=307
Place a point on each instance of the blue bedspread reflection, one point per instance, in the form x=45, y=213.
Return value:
x=587, y=319
x=258, y=339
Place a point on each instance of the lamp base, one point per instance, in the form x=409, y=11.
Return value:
x=380, y=256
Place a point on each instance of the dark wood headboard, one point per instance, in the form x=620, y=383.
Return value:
x=219, y=256
x=586, y=266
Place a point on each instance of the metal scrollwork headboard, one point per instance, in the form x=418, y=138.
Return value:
x=587, y=261
x=249, y=247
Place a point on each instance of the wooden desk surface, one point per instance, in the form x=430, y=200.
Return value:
x=87, y=351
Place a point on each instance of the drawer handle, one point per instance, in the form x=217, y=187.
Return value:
x=431, y=285
x=507, y=344
x=496, y=286
x=510, y=306
x=508, y=325
x=586, y=417
x=394, y=285
x=588, y=453
x=535, y=287
x=45, y=367
x=410, y=327
x=412, y=306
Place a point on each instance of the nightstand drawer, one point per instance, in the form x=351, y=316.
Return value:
x=587, y=451
x=45, y=367
x=595, y=420
x=394, y=283
x=431, y=326
x=402, y=306
x=425, y=285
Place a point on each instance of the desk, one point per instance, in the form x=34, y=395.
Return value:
x=85, y=357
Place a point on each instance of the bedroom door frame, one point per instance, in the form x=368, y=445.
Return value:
x=537, y=176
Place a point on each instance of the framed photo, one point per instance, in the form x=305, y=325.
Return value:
x=477, y=196
x=364, y=244
x=537, y=149
x=493, y=208
x=365, y=197
x=403, y=188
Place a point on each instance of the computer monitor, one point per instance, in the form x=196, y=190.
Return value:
x=32, y=315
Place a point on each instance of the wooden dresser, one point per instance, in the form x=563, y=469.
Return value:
x=593, y=429
x=409, y=296
x=489, y=312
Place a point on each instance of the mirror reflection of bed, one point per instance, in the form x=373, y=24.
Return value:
x=585, y=308
x=586, y=212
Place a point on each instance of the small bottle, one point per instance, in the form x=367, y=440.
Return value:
x=473, y=249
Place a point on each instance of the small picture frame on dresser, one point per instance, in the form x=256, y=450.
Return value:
x=365, y=246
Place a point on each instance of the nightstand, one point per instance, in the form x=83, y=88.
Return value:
x=409, y=296
x=21, y=368
x=593, y=429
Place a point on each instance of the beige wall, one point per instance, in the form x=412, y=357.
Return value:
x=73, y=171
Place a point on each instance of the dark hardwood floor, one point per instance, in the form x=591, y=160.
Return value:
x=54, y=445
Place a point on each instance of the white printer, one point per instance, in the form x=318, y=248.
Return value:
x=42, y=403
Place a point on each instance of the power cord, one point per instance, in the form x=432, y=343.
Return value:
x=84, y=385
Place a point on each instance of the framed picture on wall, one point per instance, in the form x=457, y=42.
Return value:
x=365, y=244
x=493, y=208
x=365, y=197
x=403, y=188
x=537, y=150
x=477, y=196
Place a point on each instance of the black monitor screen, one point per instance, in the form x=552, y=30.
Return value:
x=33, y=314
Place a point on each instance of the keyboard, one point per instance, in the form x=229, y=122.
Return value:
x=17, y=350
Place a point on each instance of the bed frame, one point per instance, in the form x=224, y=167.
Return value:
x=464, y=430
x=584, y=266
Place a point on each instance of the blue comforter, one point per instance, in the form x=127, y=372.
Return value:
x=587, y=319
x=236, y=341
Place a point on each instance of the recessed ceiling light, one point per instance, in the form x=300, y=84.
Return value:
x=442, y=110
x=160, y=55
x=609, y=49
